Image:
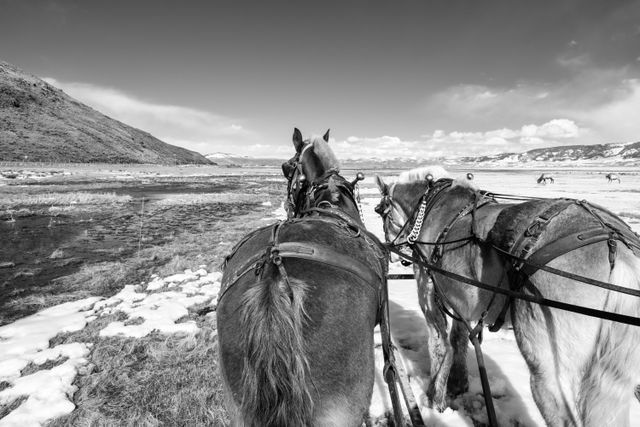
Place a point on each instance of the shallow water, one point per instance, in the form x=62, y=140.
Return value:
x=40, y=248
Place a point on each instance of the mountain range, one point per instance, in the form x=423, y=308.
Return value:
x=41, y=123
x=615, y=154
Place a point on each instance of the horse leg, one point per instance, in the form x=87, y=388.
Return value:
x=458, y=382
x=232, y=408
x=535, y=332
x=337, y=412
x=440, y=350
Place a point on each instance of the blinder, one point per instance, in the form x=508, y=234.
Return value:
x=300, y=191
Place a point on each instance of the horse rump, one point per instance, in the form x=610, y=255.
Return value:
x=270, y=386
x=609, y=380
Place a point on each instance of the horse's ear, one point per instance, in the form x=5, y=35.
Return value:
x=297, y=140
x=384, y=188
x=326, y=136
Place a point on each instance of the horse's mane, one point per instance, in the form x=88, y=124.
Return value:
x=420, y=173
x=325, y=153
x=437, y=172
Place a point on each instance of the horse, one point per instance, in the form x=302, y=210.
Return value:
x=544, y=178
x=298, y=304
x=582, y=369
x=612, y=177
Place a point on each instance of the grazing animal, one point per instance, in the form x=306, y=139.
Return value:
x=544, y=178
x=583, y=369
x=612, y=177
x=299, y=302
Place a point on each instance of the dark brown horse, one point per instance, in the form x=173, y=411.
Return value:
x=583, y=369
x=544, y=178
x=612, y=177
x=299, y=303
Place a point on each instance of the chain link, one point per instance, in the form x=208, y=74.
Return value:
x=415, y=231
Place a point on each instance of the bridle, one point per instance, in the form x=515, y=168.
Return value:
x=410, y=230
x=302, y=195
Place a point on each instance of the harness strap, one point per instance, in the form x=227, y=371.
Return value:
x=615, y=317
x=308, y=251
x=393, y=373
x=562, y=246
x=572, y=276
x=475, y=335
x=389, y=371
x=525, y=244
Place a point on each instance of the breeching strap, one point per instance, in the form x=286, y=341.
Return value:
x=615, y=317
x=393, y=372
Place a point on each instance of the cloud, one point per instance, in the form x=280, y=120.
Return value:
x=456, y=143
x=190, y=128
x=599, y=105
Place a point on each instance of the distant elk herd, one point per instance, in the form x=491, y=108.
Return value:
x=546, y=178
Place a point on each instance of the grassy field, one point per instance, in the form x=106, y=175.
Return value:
x=157, y=380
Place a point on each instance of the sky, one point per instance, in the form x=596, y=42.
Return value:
x=424, y=79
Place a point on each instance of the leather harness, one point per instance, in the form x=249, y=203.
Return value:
x=525, y=257
x=275, y=251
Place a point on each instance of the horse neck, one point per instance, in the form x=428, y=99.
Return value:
x=339, y=199
x=449, y=202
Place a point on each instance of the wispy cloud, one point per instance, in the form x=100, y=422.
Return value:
x=457, y=143
x=190, y=128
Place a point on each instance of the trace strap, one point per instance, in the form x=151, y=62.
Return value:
x=615, y=317
x=393, y=373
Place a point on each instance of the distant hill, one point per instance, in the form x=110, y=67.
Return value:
x=233, y=161
x=39, y=122
x=615, y=154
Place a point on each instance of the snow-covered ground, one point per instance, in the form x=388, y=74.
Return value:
x=152, y=306
x=160, y=302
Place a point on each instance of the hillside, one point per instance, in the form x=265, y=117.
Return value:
x=39, y=122
x=620, y=153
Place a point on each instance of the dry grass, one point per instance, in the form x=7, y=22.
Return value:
x=32, y=368
x=6, y=409
x=12, y=201
x=152, y=381
x=206, y=198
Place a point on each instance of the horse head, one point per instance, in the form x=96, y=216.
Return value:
x=314, y=178
x=401, y=200
x=406, y=203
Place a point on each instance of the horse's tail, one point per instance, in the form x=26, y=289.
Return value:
x=608, y=385
x=275, y=376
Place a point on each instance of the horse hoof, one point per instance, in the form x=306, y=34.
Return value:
x=457, y=388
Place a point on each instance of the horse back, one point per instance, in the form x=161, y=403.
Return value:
x=524, y=228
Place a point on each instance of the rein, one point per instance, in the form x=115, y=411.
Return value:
x=605, y=315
